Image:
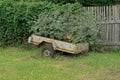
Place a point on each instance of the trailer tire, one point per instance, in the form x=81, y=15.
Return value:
x=47, y=51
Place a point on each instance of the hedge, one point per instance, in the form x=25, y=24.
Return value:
x=83, y=2
x=17, y=17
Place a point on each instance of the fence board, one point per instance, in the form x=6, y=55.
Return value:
x=109, y=17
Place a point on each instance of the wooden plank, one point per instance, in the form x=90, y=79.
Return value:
x=110, y=29
x=107, y=13
x=109, y=22
x=110, y=13
x=104, y=17
x=116, y=25
x=111, y=43
x=119, y=33
x=100, y=13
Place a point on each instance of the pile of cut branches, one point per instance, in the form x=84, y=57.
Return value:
x=70, y=21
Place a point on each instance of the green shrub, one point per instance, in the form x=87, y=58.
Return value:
x=83, y=2
x=69, y=19
x=17, y=17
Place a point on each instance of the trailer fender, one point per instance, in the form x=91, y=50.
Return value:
x=54, y=45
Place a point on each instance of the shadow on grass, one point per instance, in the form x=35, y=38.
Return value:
x=64, y=54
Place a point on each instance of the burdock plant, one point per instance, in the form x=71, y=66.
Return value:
x=69, y=19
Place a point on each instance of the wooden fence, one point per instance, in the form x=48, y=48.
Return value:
x=109, y=16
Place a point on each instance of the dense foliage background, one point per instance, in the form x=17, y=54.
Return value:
x=88, y=2
x=16, y=19
x=17, y=16
x=83, y=2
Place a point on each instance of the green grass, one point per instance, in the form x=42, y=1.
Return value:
x=25, y=64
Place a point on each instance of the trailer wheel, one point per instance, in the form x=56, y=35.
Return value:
x=47, y=51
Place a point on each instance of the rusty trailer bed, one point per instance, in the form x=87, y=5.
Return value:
x=60, y=45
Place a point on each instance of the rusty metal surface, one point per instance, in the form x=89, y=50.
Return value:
x=82, y=47
x=64, y=46
x=60, y=45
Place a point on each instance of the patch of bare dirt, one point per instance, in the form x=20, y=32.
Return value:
x=25, y=58
x=80, y=65
x=110, y=73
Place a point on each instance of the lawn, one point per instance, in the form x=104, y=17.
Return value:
x=25, y=64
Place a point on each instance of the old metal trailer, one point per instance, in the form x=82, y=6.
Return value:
x=50, y=45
